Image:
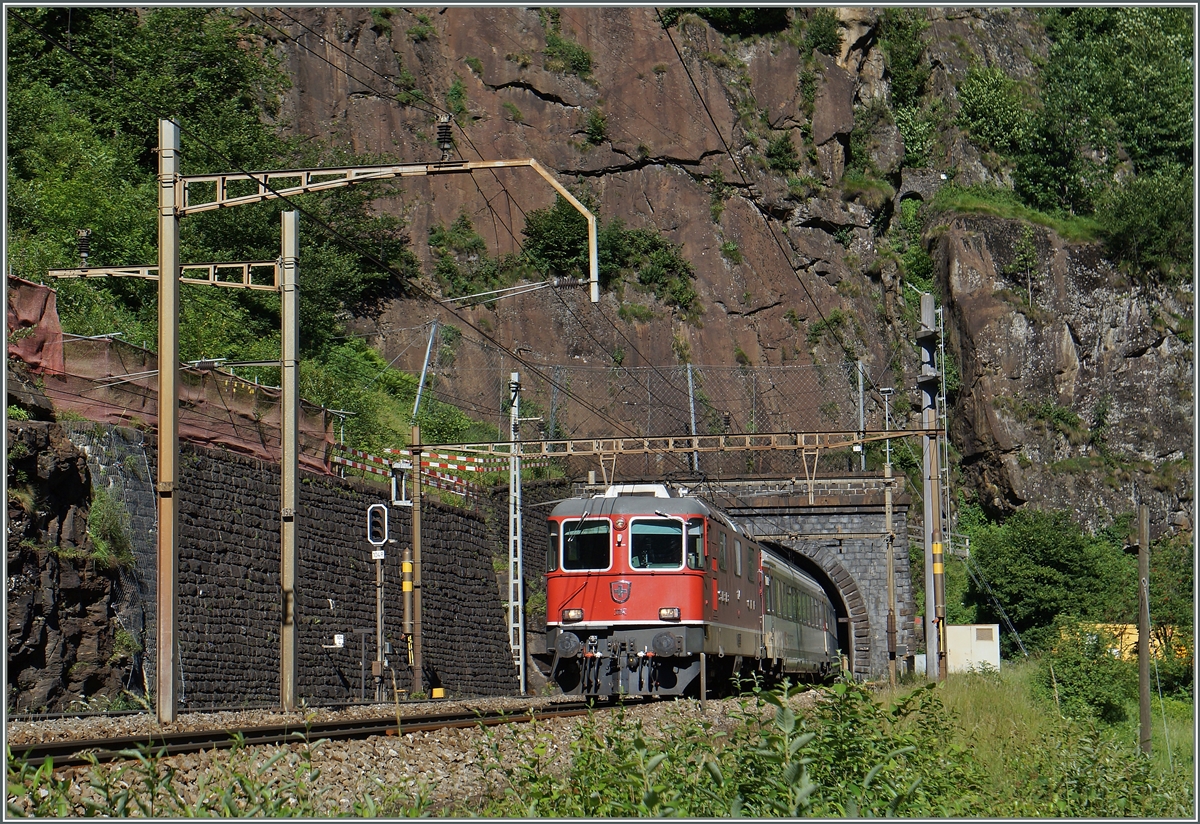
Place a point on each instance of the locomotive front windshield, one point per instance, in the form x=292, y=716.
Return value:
x=586, y=545
x=656, y=543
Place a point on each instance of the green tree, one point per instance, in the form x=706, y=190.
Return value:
x=1041, y=565
x=993, y=109
x=1147, y=221
x=900, y=35
x=823, y=32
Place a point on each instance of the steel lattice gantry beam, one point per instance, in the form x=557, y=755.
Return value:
x=808, y=442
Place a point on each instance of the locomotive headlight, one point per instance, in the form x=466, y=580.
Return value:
x=572, y=615
x=668, y=614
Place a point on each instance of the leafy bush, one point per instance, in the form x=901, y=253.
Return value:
x=781, y=154
x=833, y=323
x=823, y=32
x=1081, y=674
x=900, y=35
x=108, y=529
x=1147, y=222
x=1042, y=565
x=556, y=240
x=994, y=110
x=456, y=98
x=917, y=128
x=736, y=20
x=596, y=128
x=565, y=56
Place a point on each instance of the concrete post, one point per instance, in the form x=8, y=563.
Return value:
x=168, y=417
x=289, y=461
x=418, y=672
x=1144, y=629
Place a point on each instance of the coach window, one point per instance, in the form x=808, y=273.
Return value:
x=737, y=558
x=586, y=545
x=695, y=543
x=552, y=548
x=656, y=543
x=722, y=560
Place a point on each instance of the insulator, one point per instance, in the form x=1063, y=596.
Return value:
x=443, y=134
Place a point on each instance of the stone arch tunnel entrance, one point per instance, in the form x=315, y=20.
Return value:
x=835, y=528
x=843, y=607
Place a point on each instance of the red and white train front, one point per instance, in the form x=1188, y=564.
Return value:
x=634, y=592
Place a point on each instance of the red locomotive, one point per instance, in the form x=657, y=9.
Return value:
x=645, y=588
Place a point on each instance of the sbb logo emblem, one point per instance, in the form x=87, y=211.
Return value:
x=620, y=591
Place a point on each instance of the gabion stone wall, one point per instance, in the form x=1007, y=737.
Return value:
x=229, y=599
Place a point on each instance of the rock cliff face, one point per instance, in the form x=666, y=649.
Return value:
x=1075, y=387
x=61, y=640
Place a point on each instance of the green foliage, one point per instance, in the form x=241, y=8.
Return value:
x=918, y=128
x=781, y=154
x=456, y=98
x=556, y=238
x=108, y=529
x=422, y=31
x=1004, y=203
x=563, y=55
x=381, y=20
x=734, y=20
x=994, y=110
x=869, y=191
x=89, y=162
x=833, y=324
x=16, y=413
x=514, y=114
x=823, y=32
x=1124, y=75
x=866, y=119
x=596, y=127
x=1081, y=674
x=1117, y=84
x=900, y=35
x=1147, y=222
x=556, y=241
x=1042, y=565
x=356, y=378
x=720, y=192
x=635, y=312
x=474, y=64
x=462, y=265
x=730, y=251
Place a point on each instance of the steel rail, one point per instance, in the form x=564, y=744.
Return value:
x=74, y=753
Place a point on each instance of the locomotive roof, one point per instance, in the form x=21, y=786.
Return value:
x=639, y=501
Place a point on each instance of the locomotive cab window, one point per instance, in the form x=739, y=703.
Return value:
x=552, y=548
x=586, y=545
x=737, y=558
x=695, y=543
x=722, y=556
x=656, y=543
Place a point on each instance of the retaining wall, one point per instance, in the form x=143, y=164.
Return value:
x=229, y=602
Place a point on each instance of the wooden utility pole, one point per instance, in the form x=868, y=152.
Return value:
x=1144, y=628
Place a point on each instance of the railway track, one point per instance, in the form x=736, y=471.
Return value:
x=80, y=752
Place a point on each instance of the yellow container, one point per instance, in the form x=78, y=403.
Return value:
x=439, y=692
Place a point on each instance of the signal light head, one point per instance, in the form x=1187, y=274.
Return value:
x=570, y=616
x=668, y=614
